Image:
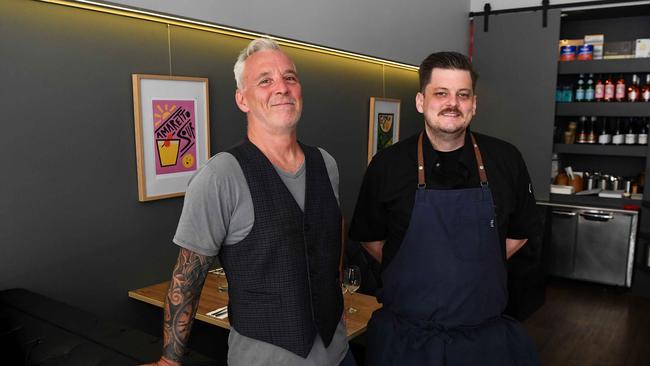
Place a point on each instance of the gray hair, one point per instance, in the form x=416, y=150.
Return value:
x=256, y=45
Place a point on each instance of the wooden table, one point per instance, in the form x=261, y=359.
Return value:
x=212, y=298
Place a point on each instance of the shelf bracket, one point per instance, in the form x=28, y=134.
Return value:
x=486, y=16
x=545, y=4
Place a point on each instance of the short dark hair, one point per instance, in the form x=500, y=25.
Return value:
x=445, y=60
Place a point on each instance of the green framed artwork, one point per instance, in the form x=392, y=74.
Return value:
x=383, y=124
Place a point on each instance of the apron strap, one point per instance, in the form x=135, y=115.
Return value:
x=421, y=183
x=479, y=160
x=477, y=152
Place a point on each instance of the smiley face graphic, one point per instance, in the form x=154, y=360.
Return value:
x=188, y=160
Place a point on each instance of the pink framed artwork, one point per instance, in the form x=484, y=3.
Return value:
x=171, y=132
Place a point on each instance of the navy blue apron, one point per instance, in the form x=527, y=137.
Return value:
x=445, y=290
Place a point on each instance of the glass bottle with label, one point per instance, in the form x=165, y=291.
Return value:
x=642, y=138
x=580, y=90
x=630, y=134
x=599, y=90
x=589, y=90
x=605, y=137
x=609, y=89
x=633, y=90
x=645, y=91
x=620, y=89
x=617, y=136
x=591, y=130
x=581, y=136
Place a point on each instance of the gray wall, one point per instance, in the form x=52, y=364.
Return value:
x=405, y=31
x=71, y=226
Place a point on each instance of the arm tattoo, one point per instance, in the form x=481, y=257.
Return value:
x=182, y=301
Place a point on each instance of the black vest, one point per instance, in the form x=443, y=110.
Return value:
x=283, y=278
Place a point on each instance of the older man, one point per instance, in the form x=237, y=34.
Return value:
x=269, y=209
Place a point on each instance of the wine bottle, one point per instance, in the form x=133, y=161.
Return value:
x=617, y=136
x=580, y=90
x=633, y=90
x=643, y=132
x=620, y=89
x=589, y=90
x=605, y=137
x=630, y=135
x=609, y=89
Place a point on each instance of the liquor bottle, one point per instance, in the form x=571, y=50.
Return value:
x=591, y=130
x=609, y=90
x=642, y=139
x=620, y=89
x=630, y=135
x=645, y=91
x=558, y=93
x=580, y=90
x=617, y=136
x=599, y=90
x=605, y=137
x=633, y=90
x=589, y=90
x=568, y=93
x=581, y=137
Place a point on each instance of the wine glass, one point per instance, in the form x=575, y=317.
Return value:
x=351, y=283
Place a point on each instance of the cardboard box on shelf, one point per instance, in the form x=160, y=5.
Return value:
x=642, y=48
x=616, y=50
x=596, y=40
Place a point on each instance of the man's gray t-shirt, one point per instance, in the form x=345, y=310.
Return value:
x=218, y=210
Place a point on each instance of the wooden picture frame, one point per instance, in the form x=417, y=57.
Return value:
x=172, y=133
x=383, y=124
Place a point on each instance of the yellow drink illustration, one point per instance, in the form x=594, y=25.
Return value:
x=168, y=152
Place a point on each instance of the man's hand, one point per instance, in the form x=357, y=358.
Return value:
x=374, y=248
x=163, y=362
x=513, y=245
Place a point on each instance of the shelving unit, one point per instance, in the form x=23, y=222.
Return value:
x=610, y=159
x=595, y=201
x=611, y=109
x=605, y=150
x=603, y=66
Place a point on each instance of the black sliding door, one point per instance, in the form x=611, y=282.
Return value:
x=517, y=64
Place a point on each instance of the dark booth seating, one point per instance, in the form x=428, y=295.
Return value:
x=36, y=330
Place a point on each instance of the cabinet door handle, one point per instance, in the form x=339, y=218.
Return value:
x=564, y=213
x=596, y=216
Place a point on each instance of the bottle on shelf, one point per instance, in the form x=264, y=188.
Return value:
x=633, y=90
x=599, y=89
x=592, y=137
x=589, y=90
x=642, y=138
x=567, y=93
x=617, y=135
x=559, y=93
x=645, y=91
x=609, y=89
x=580, y=90
x=605, y=137
x=620, y=89
x=630, y=134
x=581, y=136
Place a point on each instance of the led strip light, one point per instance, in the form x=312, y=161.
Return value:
x=220, y=29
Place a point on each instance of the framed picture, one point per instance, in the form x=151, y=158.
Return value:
x=172, y=138
x=383, y=125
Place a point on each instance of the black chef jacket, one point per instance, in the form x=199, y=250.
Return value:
x=385, y=201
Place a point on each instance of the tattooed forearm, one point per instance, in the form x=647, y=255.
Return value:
x=182, y=300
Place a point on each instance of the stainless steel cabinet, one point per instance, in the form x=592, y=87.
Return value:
x=564, y=224
x=592, y=244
